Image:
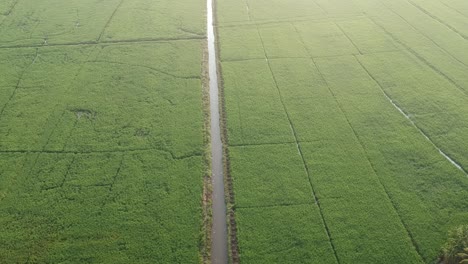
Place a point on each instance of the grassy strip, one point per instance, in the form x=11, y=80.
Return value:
x=233, y=247
x=205, y=245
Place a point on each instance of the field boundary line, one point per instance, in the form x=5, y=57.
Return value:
x=309, y=57
x=275, y=143
x=103, y=43
x=261, y=22
x=13, y=93
x=70, y=133
x=109, y=20
x=65, y=176
x=248, y=10
x=111, y=184
x=174, y=157
x=321, y=7
x=241, y=126
x=346, y=35
x=144, y=40
x=298, y=145
x=53, y=130
x=255, y=59
x=260, y=144
x=12, y=7
x=148, y=67
x=426, y=136
x=272, y=205
x=387, y=194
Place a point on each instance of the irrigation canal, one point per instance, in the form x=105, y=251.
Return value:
x=219, y=247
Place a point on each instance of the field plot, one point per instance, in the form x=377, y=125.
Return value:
x=337, y=116
x=101, y=131
x=56, y=22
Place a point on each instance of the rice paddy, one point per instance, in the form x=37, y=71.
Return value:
x=344, y=126
x=102, y=132
x=346, y=130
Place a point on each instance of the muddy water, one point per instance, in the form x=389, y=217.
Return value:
x=219, y=247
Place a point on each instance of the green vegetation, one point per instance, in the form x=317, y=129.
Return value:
x=157, y=20
x=312, y=91
x=90, y=21
x=101, y=131
x=294, y=234
x=347, y=134
x=456, y=249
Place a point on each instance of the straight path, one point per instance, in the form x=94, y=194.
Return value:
x=219, y=248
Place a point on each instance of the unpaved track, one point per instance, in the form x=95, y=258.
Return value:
x=219, y=247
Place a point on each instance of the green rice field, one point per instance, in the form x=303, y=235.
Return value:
x=101, y=131
x=344, y=124
x=336, y=111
